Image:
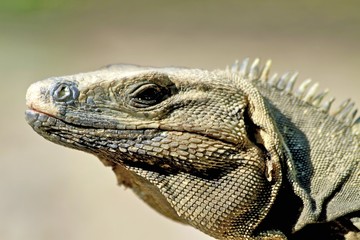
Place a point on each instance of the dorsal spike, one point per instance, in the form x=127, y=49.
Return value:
x=318, y=99
x=344, y=113
x=301, y=91
x=264, y=75
x=273, y=80
x=235, y=66
x=327, y=105
x=254, y=69
x=342, y=106
x=350, y=119
x=283, y=81
x=243, y=71
x=309, y=95
x=290, y=84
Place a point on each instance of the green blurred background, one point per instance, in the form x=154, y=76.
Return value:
x=49, y=192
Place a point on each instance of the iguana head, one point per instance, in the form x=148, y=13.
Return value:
x=200, y=147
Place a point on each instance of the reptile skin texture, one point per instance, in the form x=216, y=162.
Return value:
x=234, y=153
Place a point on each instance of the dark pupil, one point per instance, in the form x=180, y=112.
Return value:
x=150, y=94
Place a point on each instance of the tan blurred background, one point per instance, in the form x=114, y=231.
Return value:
x=49, y=192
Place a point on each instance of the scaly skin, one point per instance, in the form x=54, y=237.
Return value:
x=223, y=151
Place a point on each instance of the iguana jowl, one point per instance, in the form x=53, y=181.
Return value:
x=231, y=152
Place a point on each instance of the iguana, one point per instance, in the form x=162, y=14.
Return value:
x=234, y=153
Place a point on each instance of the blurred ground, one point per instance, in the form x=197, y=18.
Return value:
x=49, y=192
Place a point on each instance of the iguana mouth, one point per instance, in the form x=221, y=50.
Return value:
x=45, y=122
x=36, y=118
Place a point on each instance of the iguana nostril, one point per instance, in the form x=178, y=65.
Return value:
x=65, y=92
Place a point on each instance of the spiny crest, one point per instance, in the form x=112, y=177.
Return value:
x=307, y=91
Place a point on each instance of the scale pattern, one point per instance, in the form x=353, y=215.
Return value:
x=234, y=153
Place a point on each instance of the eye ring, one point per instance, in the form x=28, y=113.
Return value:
x=147, y=95
x=64, y=92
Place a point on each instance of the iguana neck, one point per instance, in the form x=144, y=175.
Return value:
x=323, y=151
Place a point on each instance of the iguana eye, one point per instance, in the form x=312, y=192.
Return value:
x=64, y=92
x=147, y=95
